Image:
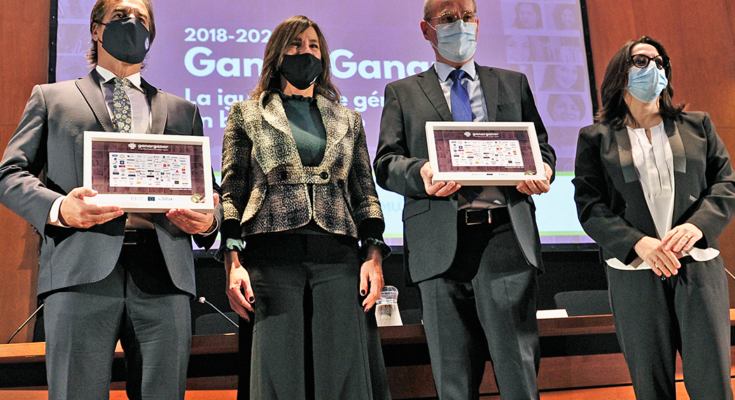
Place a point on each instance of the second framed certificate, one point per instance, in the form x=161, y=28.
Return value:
x=148, y=173
x=484, y=153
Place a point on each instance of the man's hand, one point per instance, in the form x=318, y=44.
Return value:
x=76, y=213
x=239, y=292
x=662, y=261
x=192, y=222
x=439, y=189
x=531, y=186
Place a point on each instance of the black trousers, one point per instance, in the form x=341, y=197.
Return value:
x=137, y=304
x=311, y=339
x=689, y=313
x=486, y=302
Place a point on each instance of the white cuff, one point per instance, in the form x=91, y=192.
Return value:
x=53, y=214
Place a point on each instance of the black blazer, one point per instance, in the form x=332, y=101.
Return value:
x=609, y=196
x=49, y=139
x=430, y=223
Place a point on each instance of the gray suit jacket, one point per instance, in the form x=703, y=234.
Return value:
x=49, y=143
x=430, y=223
x=610, y=201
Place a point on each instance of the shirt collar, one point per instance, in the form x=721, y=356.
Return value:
x=443, y=70
x=107, y=76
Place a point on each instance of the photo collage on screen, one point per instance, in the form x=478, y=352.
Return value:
x=543, y=39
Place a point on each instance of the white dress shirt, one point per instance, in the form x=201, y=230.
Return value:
x=654, y=164
x=491, y=196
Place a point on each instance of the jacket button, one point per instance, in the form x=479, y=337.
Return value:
x=283, y=175
x=324, y=175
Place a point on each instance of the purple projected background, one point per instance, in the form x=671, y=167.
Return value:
x=211, y=53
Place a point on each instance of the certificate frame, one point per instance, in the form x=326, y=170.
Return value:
x=517, y=159
x=177, y=189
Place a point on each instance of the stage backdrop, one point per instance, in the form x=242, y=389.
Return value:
x=210, y=52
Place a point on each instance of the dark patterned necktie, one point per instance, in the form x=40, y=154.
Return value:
x=121, y=106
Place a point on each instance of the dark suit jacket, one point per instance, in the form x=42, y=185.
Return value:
x=609, y=195
x=49, y=140
x=430, y=223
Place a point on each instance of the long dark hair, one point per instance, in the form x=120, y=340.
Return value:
x=614, y=109
x=270, y=78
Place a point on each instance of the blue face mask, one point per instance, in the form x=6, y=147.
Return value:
x=456, y=40
x=646, y=84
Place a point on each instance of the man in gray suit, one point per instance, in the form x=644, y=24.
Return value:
x=105, y=275
x=474, y=252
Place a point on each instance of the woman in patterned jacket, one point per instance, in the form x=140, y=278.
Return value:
x=298, y=189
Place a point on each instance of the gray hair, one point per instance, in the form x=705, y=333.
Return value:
x=429, y=4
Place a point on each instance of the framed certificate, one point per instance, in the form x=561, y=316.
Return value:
x=148, y=173
x=484, y=153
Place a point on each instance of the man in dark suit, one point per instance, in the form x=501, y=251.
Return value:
x=105, y=275
x=474, y=252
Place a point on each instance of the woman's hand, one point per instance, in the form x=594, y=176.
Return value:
x=239, y=292
x=662, y=261
x=371, y=273
x=681, y=238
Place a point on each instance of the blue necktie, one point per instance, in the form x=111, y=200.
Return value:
x=462, y=112
x=461, y=109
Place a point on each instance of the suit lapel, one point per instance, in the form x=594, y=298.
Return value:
x=489, y=83
x=280, y=138
x=159, y=108
x=681, y=189
x=90, y=88
x=335, y=125
x=429, y=82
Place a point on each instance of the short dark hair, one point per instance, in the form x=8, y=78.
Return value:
x=614, y=109
x=283, y=35
x=98, y=14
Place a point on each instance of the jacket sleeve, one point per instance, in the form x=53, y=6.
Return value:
x=25, y=158
x=530, y=114
x=208, y=240
x=236, y=153
x=395, y=169
x=717, y=204
x=592, y=195
x=366, y=209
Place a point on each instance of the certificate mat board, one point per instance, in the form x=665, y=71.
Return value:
x=148, y=173
x=484, y=153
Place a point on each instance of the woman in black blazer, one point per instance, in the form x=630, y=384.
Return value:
x=654, y=188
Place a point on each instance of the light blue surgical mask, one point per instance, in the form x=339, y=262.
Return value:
x=456, y=40
x=645, y=84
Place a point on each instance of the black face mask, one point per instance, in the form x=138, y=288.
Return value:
x=127, y=40
x=301, y=70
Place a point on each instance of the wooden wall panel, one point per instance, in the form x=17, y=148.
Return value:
x=24, y=27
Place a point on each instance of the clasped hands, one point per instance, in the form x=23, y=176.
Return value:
x=663, y=255
x=75, y=212
x=442, y=189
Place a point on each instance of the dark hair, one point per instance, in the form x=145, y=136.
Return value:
x=98, y=14
x=536, y=9
x=270, y=78
x=614, y=109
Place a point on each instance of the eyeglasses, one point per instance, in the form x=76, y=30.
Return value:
x=642, y=61
x=449, y=17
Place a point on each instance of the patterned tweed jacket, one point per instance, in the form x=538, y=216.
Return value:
x=264, y=184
